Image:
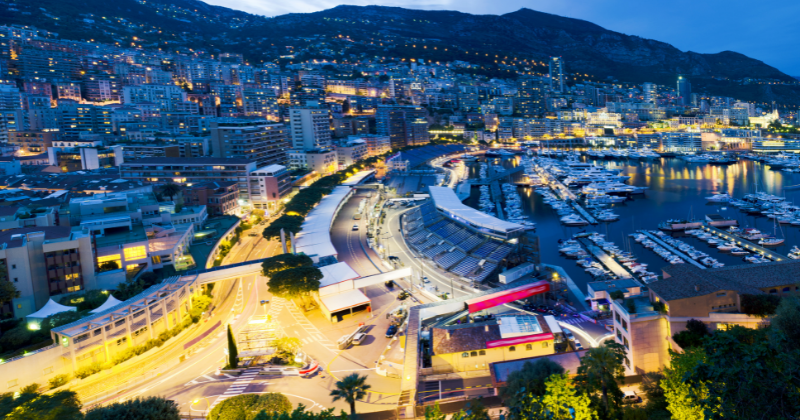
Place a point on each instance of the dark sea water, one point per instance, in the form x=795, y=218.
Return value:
x=676, y=189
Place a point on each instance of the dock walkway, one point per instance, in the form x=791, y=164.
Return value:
x=497, y=197
x=744, y=243
x=565, y=194
x=606, y=259
x=672, y=249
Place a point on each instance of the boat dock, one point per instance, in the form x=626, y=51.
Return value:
x=497, y=197
x=744, y=243
x=672, y=249
x=585, y=214
x=565, y=194
x=606, y=259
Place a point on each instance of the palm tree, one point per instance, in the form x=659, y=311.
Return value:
x=170, y=190
x=351, y=388
x=601, y=369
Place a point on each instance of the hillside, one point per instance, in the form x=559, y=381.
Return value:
x=526, y=35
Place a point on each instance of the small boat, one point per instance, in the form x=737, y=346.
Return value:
x=794, y=253
x=738, y=251
x=770, y=241
x=727, y=246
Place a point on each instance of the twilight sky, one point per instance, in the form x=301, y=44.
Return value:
x=766, y=30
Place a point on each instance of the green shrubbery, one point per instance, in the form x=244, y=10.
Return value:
x=248, y=406
x=58, y=380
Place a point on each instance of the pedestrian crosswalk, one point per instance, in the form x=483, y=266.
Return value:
x=276, y=305
x=572, y=321
x=315, y=334
x=237, y=387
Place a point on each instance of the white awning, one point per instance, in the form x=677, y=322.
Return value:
x=314, y=239
x=344, y=300
x=336, y=273
x=110, y=303
x=447, y=200
x=357, y=178
x=50, y=308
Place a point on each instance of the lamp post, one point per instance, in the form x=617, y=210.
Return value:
x=197, y=400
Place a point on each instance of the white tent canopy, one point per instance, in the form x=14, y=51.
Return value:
x=110, y=303
x=344, y=300
x=336, y=273
x=448, y=201
x=314, y=239
x=50, y=308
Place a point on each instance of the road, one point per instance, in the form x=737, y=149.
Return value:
x=351, y=243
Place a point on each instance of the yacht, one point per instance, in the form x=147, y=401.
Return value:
x=794, y=253
x=738, y=251
x=770, y=241
x=574, y=220
x=719, y=198
x=727, y=246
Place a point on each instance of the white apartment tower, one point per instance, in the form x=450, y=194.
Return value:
x=310, y=128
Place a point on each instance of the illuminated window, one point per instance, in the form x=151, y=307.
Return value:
x=135, y=253
x=528, y=347
x=482, y=353
x=72, y=276
x=114, y=257
x=73, y=289
x=474, y=354
x=465, y=354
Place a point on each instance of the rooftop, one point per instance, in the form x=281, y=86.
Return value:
x=121, y=235
x=10, y=238
x=683, y=281
x=188, y=161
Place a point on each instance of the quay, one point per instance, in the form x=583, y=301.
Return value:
x=672, y=249
x=744, y=243
x=497, y=197
x=565, y=194
x=606, y=260
x=589, y=218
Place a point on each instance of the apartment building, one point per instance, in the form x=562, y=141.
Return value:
x=351, y=152
x=645, y=323
x=323, y=162
x=32, y=142
x=405, y=125
x=45, y=261
x=164, y=96
x=161, y=170
x=255, y=140
x=310, y=128
x=218, y=197
x=268, y=185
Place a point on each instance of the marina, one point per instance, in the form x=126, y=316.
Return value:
x=774, y=256
x=605, y=259
x=669, y=248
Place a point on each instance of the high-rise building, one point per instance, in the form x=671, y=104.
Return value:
x=255, y=140
x=165, y=96
x=260, y=103
x=556, y=74
x=405, y=125
x=649, y=92
x=310, y=128
x=530, y=97
x=684, y=91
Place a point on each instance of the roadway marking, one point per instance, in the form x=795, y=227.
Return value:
x=208, y=378
x=310, y=328
x=237, y=387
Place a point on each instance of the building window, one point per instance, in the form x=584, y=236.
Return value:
x=12, y=383
x=512, y=348
x=787, y=289
x=474, y=354
x=529, y=347
x=465, y=354
x=47, y=371
x=135, y=253
x=773, y=290
x=482, y=353
x=721, y=294
x=545, y=345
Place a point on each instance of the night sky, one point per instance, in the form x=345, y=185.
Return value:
x=766, y=30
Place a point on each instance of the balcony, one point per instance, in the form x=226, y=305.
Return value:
x=640, y=307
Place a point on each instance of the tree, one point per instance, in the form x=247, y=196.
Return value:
x=693, y=335
x=233, y=352
x=30, y=405
x=170, y=190
x=761, y=306
x=287, y=347
x=148, y=408
x=7, y=292
x=282, y=262
x=656, y=407
x=286, y=222
x=295, y=282
x=351, y=388
x=600, y=370
x=617, y=294
x=561, y=399
x=682, y=398
x=109, y=265
x=530, y=379
x=787, y=320
x=249, y=406
x=300, y=413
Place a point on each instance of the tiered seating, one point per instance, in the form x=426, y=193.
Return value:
x=414, y=225
x=438, y=225
x=465, y=267
x=430, y=215
x=418, y=237
x=458, y=237
x=428, y=243
x=499, y=253
x=470, y=243
x=436, y=250
x=484, y=250
x=413, y=214
x=449, y=259
x=483, y=272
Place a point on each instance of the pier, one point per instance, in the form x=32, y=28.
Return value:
x=497, y=197
x=565, y=194
x=606, y=260
x=585, y=214
x=744, y=243
x=672, y=249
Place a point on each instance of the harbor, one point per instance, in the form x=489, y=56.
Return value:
x=669, y=248
x=744, y=243
x=605, y=259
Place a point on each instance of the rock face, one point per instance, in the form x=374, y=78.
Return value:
x=586, y=47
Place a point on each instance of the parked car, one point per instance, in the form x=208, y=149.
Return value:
x=403, y=295
x=391, y=331
x=355, y=227
x=578, y=345
x=358, y=338
x=568, y=334
x=630, y=397
x=425, y=280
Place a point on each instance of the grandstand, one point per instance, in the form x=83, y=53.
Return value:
x=451, y=246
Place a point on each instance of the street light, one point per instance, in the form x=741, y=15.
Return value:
x=197, y=400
